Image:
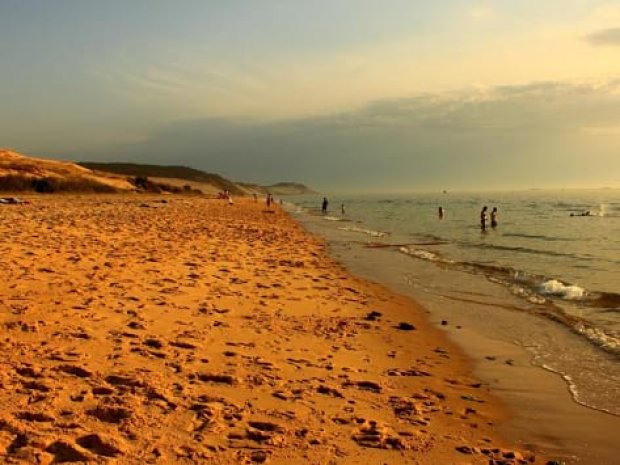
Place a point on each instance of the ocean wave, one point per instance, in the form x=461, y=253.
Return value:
x=520, y=249
x=550, y=309
x=523, y=292
x=368, y=232
x=607, y=300
x=535, y=288
x=429, y=237
x=570, y=205
x=420, y=253
x=538, y=237
x=425, y=255
x=599, y=337
x=556, y=288
x=332, y=218
x=546, y=296
x=543, y=292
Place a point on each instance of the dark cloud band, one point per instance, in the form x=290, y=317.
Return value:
x=609, y=37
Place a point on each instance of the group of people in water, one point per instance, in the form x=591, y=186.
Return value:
x=483, y=214
x=325, y=204
x=483, y=218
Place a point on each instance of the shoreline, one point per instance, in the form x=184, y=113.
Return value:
x=543, y=411
x=191, y=331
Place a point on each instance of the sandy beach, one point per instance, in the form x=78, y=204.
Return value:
x=169, y=330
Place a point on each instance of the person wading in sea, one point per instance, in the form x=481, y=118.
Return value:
x=324, y=205
x=494, y=217
x=483, y=218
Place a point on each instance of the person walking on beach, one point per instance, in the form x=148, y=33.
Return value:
x=324, y=205
x=494, y=217
x=342, y=208
x=268, y=202
x=440, y=212
x=483, y=218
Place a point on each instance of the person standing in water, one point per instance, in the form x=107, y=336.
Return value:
x=324, y=205
x=342, y=208
x=494, y=217
x=483, y=218
x=440, y=212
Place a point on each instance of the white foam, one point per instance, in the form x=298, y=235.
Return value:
x=369, y=232
x=572, y=388
x=332, y=218
x=424, y=255
x=420, y=253
x=524, y=293
x=569, y=382
x=556, y=288
x=599, y=337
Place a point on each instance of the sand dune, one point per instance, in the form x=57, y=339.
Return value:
x=187, y=331
x=15, y=164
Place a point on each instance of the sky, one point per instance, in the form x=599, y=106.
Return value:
x=344, y=95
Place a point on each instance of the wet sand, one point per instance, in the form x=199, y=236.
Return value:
x=487, y=324
x=184, y=330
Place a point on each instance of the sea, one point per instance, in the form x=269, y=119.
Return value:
x=546, y=278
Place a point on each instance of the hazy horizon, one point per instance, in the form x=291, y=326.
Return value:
x=342, y=95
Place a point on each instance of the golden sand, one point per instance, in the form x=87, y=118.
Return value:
x=15, y=164
x=139, y=330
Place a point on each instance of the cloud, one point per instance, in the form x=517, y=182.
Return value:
x=548, y=106
x=481, y=11
x=608, y=37
x=603, y=130
x=531, y=134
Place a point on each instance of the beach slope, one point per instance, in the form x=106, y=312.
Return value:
x=141, y=330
